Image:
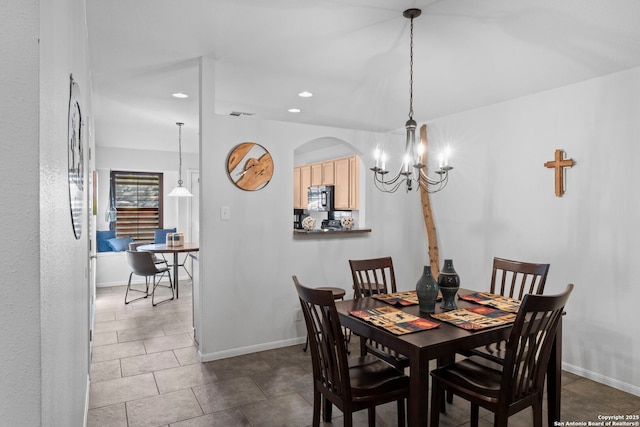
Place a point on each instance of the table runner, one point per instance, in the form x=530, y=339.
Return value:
x=393, y=320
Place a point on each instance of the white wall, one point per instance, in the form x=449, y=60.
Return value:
x=501, y=202
x=250, y=258
x=64, y=261
x=20, y=286
x=64, y=281
x=45, y=295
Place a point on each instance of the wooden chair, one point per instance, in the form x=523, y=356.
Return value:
x=516, y=384
x=370, y=277
x=141, y=263
x=350, y=384
x=513, y=279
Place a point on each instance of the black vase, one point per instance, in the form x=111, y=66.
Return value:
x=427, y=290
x=449, y=283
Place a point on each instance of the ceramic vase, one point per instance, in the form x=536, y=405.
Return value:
x=449, y=283
x=427, y=290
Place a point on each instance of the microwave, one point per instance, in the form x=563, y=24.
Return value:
x=320, y=198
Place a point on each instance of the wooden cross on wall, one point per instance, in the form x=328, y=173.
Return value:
x=558, y=163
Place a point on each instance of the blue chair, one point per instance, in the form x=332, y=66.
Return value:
x=160, y=235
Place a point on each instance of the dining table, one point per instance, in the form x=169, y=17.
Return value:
x=442, y=342
x=163, y=248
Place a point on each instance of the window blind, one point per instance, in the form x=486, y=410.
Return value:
x=138, y=200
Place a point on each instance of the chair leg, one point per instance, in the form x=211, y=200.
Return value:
x=372, y=416
x=155, y=285
x=317, y=402
x=401, y=413
x=146, y=292
x=475, y=415
x=435, y=403
x=327, y=409
x=537, y=413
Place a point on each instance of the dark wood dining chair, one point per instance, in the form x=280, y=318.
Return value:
x=351, y=384
x=513, y=279
x=370, y=277
x=141, y=263
x=518, y=383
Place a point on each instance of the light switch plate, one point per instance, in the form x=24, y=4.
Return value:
x=225, y=213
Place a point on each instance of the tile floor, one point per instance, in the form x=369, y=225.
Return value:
x=145, y=373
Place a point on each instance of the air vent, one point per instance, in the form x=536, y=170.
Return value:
x=241, y=113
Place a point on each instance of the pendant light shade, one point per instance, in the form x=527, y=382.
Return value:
x=180, y=191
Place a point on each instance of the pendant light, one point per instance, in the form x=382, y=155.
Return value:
x=180, y=191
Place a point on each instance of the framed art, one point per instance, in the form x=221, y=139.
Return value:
x=75, y=155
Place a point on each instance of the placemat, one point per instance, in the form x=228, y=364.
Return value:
x=393, y=320
x=399, y=298
x=493, y=300
x=476, y=318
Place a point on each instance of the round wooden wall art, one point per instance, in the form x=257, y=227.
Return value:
x=75, y=154
x=249, y=166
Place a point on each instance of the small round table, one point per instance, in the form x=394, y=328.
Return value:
x=163, y=248
x=338, y=293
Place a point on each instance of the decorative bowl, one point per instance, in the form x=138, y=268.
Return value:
x=308, y=223
x=346, y=222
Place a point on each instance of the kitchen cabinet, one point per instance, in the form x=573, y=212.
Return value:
x=347, y=186
x=342, y=173
x=316, y=174
x=301, y=183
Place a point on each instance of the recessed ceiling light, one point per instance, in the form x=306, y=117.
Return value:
x=305, y=94
x=179, y=95
x=294, y=110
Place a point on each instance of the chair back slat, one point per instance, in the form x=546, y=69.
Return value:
x=326, y=340
x=530, y=343
x=372, y=276
x=515, y=279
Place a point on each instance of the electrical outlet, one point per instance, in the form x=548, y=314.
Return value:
x=298, y=315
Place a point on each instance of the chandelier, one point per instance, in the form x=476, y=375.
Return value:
x=412, y=170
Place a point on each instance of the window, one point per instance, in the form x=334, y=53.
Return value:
x=138, y=200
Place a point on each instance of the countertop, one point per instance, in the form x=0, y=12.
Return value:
x=326, y=231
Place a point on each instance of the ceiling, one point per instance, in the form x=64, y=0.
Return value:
x=353, y=55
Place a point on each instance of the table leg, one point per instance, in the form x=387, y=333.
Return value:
x=175, y=272
x=554, y=377
x=418, y=402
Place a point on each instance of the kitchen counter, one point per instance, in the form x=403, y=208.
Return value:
x=327, y=232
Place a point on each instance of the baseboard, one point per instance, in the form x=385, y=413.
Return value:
x=208, y=357
x=602, y=379
x=86, y=402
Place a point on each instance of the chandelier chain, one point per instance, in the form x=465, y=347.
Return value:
x=411, y=72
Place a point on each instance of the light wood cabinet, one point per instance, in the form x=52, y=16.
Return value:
x=341, y=192
x=328, y=176
x=316, y=174
x=342, y=173
x=347, y=186
x=301, y=184
x=354, y=183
